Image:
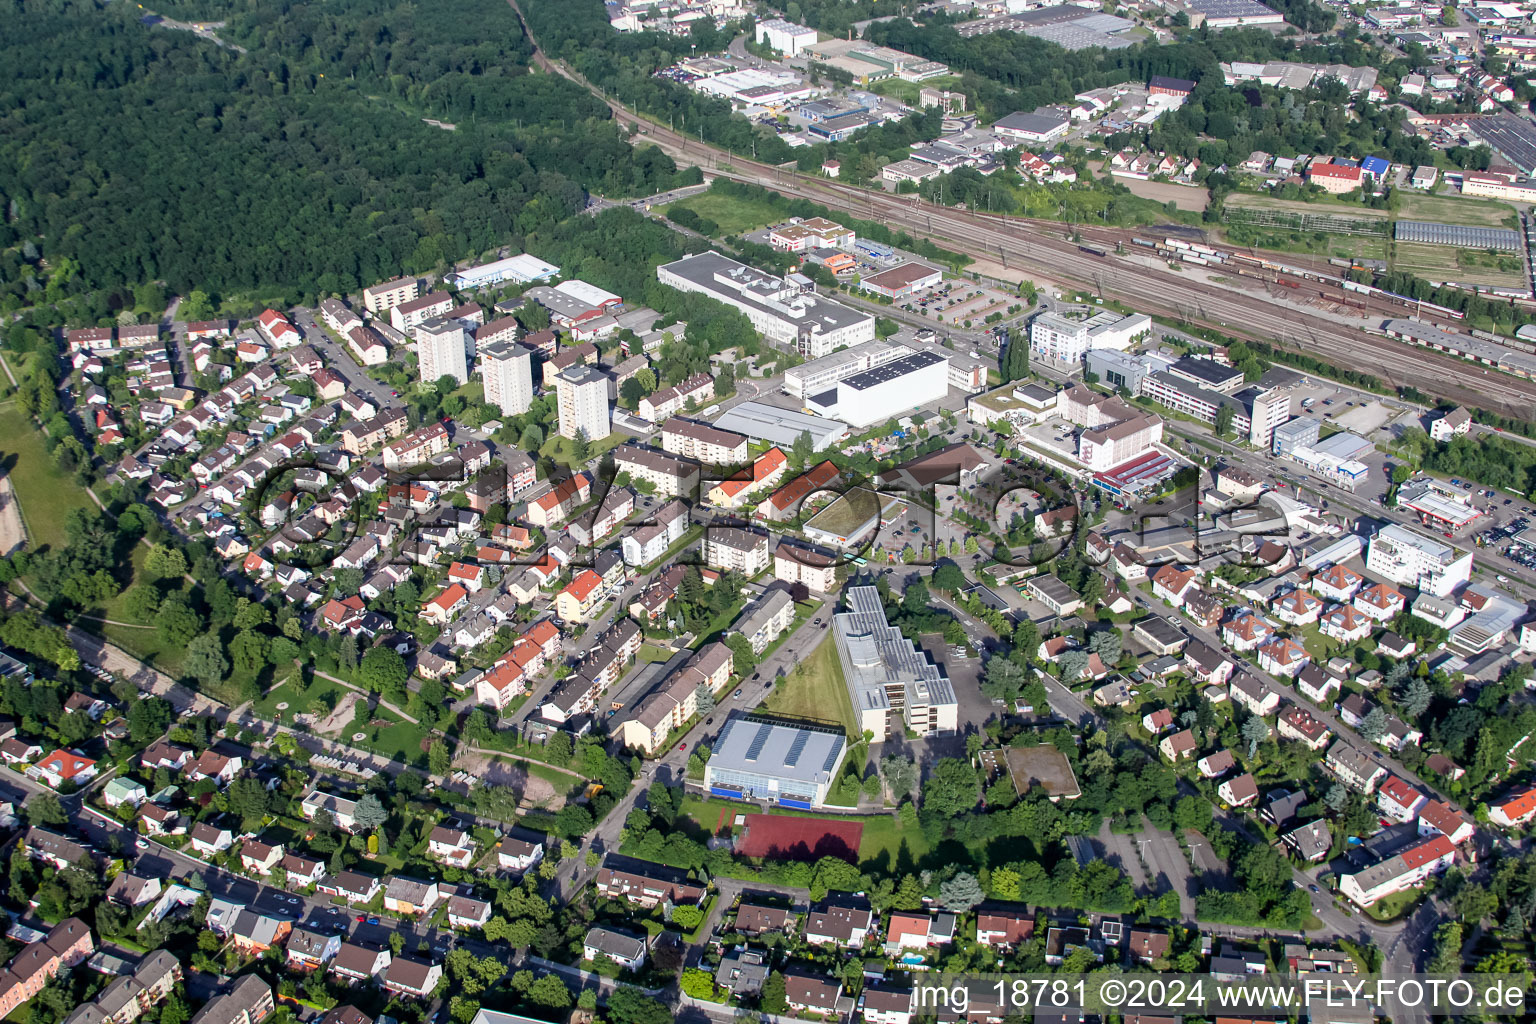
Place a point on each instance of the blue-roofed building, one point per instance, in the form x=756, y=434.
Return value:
x=1375, y=166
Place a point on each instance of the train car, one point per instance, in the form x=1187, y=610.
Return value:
x=1093, y=249
x=1189, y=257
x=1174, y=243
x=1144, y=242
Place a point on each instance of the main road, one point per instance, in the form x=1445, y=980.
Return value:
x=1043, y=249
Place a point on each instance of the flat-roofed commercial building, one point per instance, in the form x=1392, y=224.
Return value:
x=1413, y=559
x=786, y=310
x=1052, y=336
x=776, y=426
x=886, y=673
x=761, y=759
x=888, y=391
x=523, y=269
x=900, y=282
x=816, y=376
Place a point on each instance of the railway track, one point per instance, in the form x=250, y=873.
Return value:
x=1044, y=247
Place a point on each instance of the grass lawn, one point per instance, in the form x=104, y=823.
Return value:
x=393, y=737
x=559, y=448
x=561, y=782
x=298, y=698
x=46, y=494
x=1399, y=904
x=816, y=690
x=144, y=644
x=733, y=215
x=1450, y=210
x=651, y=653
x=710, y=814
x=113, y=609
x=908, y=92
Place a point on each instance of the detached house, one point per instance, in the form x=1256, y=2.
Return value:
x=917, y=930
x=1178, y=746
x=451, y=846
x=1253, y=694
x=410, y=896
x=838, y=924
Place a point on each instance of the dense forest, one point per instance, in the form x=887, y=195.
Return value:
x=131, y=153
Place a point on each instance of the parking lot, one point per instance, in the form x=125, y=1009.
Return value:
x=964, y=303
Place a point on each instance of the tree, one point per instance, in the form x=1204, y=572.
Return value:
x=383, y=671
x=44, y=809
x=743, y=660
x=961, y=893
x=549, y=991
x=1337, y=798
x=952, y=789
x=1073, y=664
x=439, y=760
x=803, y=448
x=249, y=799
x=1223, y=424
x=196, y=306
x=704, y=697
x=1415, y=698
x=205, y=660
x=900, y=774
x=1002, y=679
x=1255, y=731
x=581, y=447
x=628, y=1005
x=369, y=813
x=1106, y=643
x=948, y=577
x=775, y=994
x=1374, y=725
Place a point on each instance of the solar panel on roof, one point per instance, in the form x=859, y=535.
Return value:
x=833, y=754
x=796, y=748
x=756, y=746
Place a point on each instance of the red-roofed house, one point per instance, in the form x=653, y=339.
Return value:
x=1246, y=632
x=785, y=502
x=766, y=472
x=466, y=575
x=1156, y=721
x=1514, y=810
x=1398, y=800
x=279, y=329
x=345, y=615
x=1004, y=928
x=1345, y=624
x=1283, y=657
x=1334, y=179
x=63, y=766
x=1337, y=583
x=1429, y=856
x=1380, y=602
x=580, y=597
x=1179, y=746
x=1239, y=791
x=499, y=685
x=1173, y=584
x=441, y=609
x=1298, y=608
